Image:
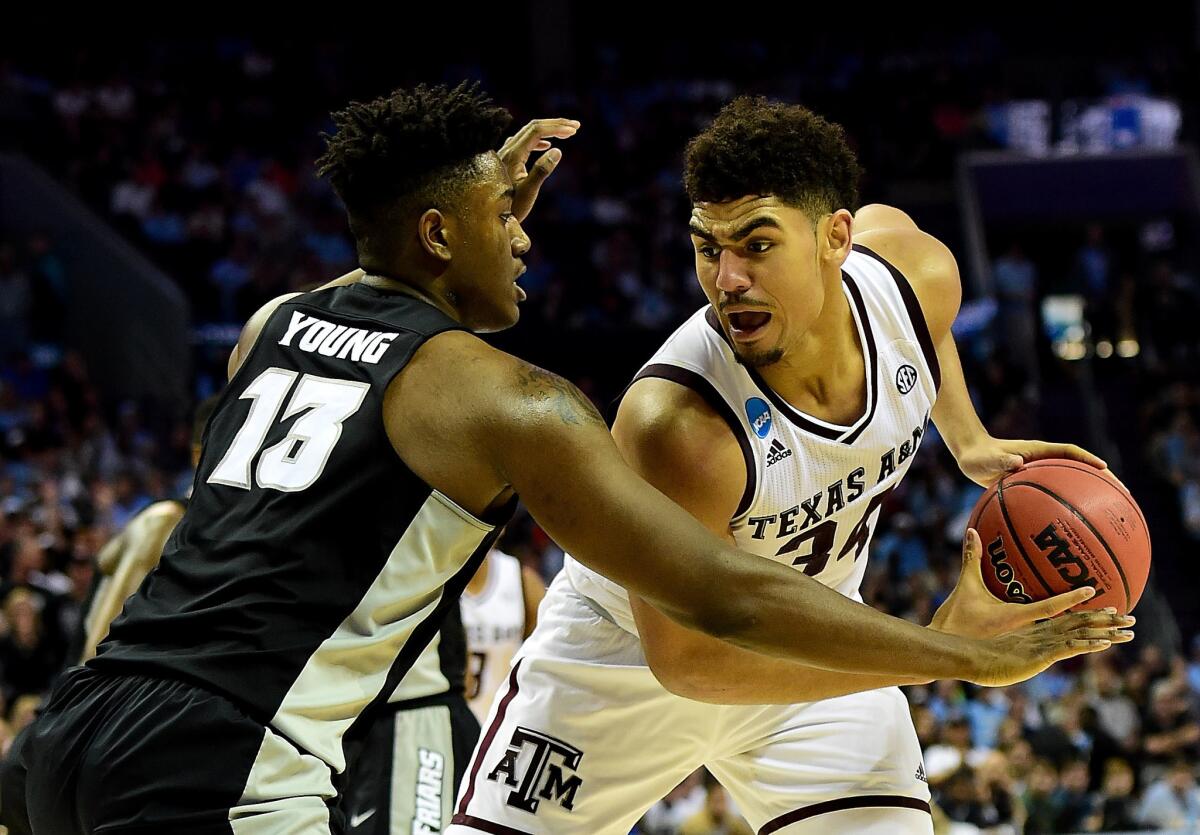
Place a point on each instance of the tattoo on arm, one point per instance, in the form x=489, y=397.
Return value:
x=571, y=405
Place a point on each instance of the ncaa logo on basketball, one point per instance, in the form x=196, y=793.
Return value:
x=759, y=414
x=906, y=378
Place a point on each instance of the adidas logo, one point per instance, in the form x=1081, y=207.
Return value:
x=777, y=452
x=921, y=773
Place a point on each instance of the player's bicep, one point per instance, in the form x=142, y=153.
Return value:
x=551, y=445
x=930, y=269
x=250, y=332
x=671, y=438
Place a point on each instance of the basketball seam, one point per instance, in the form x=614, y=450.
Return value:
x=1084, y=468
x=1112, y=557
x=1017, y=540
x=973, y=522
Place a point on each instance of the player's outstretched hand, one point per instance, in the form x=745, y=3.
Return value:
x=974, y=612
x=515, y=152
x=1016, y=656
x=986, y=463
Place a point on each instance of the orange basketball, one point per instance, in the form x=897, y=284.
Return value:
x=1056, y=525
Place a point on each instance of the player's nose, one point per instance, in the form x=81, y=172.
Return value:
x=520, y=242
x=733, y=275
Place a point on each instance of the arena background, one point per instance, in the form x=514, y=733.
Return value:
x=155, y=189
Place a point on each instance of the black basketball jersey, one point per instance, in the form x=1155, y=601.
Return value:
x=312, y=567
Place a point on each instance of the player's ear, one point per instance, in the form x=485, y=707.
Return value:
x=833, y=231
x=432, y=233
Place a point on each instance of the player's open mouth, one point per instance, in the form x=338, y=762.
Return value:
x=748, y=324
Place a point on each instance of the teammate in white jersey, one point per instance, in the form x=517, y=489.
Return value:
x=781, y=416
x=499, y=611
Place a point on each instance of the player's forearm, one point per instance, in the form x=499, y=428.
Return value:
x=786, y=614
x=734, y=676
x=954, y=413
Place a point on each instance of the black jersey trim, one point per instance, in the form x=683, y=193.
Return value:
x=872, y=361
x=483, y=825
x=452, y=650
x=840, y=804
x=915, y=314
x=844, y=434
x=697, y=383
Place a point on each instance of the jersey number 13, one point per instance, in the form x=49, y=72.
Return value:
x=296, y=462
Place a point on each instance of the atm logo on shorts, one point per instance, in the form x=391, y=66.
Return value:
x=759, y=415
x=535, y=766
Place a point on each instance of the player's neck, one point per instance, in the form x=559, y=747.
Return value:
x=822, y=373
x=398, y=284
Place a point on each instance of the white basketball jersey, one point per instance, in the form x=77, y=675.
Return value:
x=495, y=624
x=814, y=489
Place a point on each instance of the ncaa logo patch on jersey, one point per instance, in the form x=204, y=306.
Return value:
x=906, y=378
x=759, y=414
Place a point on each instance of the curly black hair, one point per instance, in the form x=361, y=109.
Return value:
x=760, y=147
x=417, y=144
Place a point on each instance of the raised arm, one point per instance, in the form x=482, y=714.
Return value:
x=931, y=270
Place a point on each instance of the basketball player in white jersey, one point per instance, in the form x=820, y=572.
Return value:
x=499, y=611
x=781, y=416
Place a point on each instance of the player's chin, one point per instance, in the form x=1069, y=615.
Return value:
x=754, y=357
x=502, y=317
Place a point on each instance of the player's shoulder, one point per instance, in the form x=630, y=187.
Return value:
x=472, y=386
x=666, y=421
x=926, y=263
x=253, y=328
x=457, y=358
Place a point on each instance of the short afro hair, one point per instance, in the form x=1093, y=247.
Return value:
x=765, y=148
x=415, y=144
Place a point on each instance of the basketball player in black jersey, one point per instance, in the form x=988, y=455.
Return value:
x=355, y=472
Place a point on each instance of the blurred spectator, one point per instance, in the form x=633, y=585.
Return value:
x=1173, y=800
x=716, y=818
x=1117, y=809
x=682, y=803
x=1015, y=279
x=28, y=657
x=1171, y=730
x=1072, y=803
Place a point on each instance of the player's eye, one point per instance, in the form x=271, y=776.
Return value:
x=708, y=251
x=759, y=246
x=508, y=217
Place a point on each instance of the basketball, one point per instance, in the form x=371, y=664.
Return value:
x=1056, y=525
